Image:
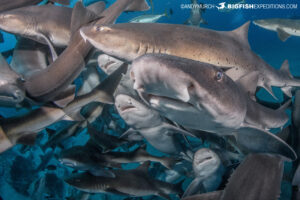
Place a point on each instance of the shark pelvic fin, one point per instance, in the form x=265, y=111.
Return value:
x=283, y=36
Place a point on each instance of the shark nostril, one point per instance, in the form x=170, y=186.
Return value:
x=191, y=86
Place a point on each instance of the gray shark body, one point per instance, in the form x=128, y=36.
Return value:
x=149, y=124
x=135, y=183
x=61, y=73
x=6, y=5
x=284, y=27
x=202, y=97
x=258, y=177
x=227, y=49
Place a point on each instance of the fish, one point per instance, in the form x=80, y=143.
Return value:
x=48, y=83
x=150, y=125
x=134, y=183
x=206, y=164
x=6, y=5
x=284, y=27
x=105, y=141
x=47, y=24
x=227, y=49
x=12, y=91
x=85, y=158
x=196, y=18
x=148, y=18
x=29, y=57
x=262, y=169
x=228, y=110
x=23, y=128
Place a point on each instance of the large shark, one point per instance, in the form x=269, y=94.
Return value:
x=159, y=133
x=9, y=5
x=48, y=24
x=134, y=183
x=258, y=177
x=202, y=97
x=227, y=49
x=284, y=27
x=48, y=83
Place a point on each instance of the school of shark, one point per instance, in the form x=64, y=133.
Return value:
x=95, y=109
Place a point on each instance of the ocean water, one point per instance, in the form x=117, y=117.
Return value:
x=31, y=172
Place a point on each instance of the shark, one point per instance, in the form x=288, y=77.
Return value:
x=148, y=122
x=12, y=91
x=284, y=27
x=46, y=84
x=206, y=165
x=134, y=183
x=226, y=49
x=23, y=128
x=6, y=5
x=196, y=18
x=48, y=24
x=264, y=170
x=209, y=100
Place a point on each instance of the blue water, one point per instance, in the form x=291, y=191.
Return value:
x=20, y=183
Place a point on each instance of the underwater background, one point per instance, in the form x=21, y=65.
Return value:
x=34, y=173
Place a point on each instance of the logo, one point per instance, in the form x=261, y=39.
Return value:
x=221, y=5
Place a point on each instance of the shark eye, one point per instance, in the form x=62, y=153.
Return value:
x=219, y=75
x=98, y=28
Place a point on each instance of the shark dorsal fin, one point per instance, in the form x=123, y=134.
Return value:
x=242, y=33
x=81, y=16
x=138, y=5
x=285, y=69
x=97, y=8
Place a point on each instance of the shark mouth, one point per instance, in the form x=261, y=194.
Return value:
x=204, y=160
x=127, y=108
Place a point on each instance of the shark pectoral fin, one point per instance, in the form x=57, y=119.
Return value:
x=193, y=188
x=27, y=138
x=285, y=69
x=97, y=8
x=171, y=129
x=256, y=140
x=249, y=82
x=65, y=97
x=131, y=135
x=63, y=2
x=50, y=45
x=283, y=36
x=97, y=171
x=75, y=115
x=81, y=16
x=206, y=196
x=269, y=90
x=107, y=88
x=138, y=5
x=287, y=91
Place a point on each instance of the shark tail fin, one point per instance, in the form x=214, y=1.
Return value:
x=138, y=5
